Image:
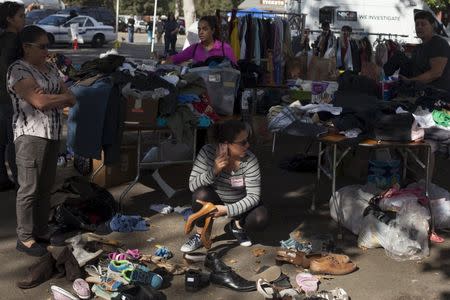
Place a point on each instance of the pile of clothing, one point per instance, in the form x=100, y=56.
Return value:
x=95, y=123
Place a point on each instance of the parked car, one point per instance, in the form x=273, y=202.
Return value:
x=140, y=26
x=36, y=15
x=104, y=15
x=91, y=31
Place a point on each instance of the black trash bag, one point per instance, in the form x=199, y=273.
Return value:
x=86, y=205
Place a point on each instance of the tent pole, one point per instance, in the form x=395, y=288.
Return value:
x=117, y=18
x=154, y=26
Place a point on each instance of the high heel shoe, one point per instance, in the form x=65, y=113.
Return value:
x=206, y=232
x=204, y=211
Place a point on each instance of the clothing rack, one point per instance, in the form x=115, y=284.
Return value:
x=296, y=21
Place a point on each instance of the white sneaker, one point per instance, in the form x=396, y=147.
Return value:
x=192, y=244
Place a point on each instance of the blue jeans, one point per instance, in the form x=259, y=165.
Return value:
x=130, y=35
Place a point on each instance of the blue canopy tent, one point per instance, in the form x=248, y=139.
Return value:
x=255, y=12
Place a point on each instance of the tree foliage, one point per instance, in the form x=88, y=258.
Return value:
x=437, y=5
x=145, y=7
x=128, y=7
x=208, y=7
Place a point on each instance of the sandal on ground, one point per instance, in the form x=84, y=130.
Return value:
x=294, y=257
x=102, y=294
x=307, y=282
x=269, y=291
x=61, y=294
x=81, y=288
x=336, y=294
x=106, y=283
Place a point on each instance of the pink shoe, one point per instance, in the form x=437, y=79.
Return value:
x=134, y=253
x=81, y=288
x=117, y=256
x=436, y=238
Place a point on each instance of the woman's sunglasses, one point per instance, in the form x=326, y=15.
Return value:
x=40, y=46
x=242, y=143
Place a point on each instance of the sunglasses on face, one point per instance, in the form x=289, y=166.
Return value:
x=242, y=143
x=40, y=46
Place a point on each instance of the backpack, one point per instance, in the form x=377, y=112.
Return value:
x=86, y=205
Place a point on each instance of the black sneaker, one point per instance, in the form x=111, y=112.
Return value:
x=35, y=250
x=239, y=234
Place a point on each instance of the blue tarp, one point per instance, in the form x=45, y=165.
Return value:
x=255, y=12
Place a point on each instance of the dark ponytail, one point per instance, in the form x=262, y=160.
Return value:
x=8, y=10
x=212, y=23
x=227, y=131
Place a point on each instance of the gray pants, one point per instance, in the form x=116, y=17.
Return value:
x=36, y=171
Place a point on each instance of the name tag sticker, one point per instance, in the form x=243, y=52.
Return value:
x=214, y=78
x=237, y=181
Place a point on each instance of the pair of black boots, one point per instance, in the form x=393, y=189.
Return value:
x=221, y=274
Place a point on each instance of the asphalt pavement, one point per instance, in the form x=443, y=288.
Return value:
x=140, y=49
x=287, y=195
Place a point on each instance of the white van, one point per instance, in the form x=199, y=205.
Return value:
x=373, y=17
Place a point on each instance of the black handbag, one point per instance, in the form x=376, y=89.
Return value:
x=394, y=127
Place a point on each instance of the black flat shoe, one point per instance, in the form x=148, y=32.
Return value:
x=35, y=250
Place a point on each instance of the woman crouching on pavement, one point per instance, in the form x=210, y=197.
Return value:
x=226, y=174
x=38, y=96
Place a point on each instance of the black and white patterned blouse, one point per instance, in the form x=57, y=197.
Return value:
x=240, y=190
x=28, y=120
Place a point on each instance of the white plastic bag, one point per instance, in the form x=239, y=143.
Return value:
x=350, y=204
x=372, y=233
x=440, y=203
x=407, y=236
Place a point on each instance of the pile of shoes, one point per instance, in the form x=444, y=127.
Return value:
x=331, y=264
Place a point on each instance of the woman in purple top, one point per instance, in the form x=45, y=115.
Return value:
x=209, y=46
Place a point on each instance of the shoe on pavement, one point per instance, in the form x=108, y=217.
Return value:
x=192, y=244
x=240, y=235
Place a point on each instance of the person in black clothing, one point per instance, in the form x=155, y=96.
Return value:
x=130, y=29
x=171, y=29
x=430, y=60
x=429, y=63
x=12, y=21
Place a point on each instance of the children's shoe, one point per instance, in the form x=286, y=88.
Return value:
x=119, y=266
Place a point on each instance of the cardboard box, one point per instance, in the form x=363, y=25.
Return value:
x=117, y=174
x=143, y=111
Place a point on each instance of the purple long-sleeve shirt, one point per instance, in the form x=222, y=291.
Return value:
x=201, y=54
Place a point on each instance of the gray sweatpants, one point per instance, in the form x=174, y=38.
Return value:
x=36, y=160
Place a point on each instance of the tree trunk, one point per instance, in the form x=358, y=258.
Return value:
x=189, y=12
x=177, y=9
